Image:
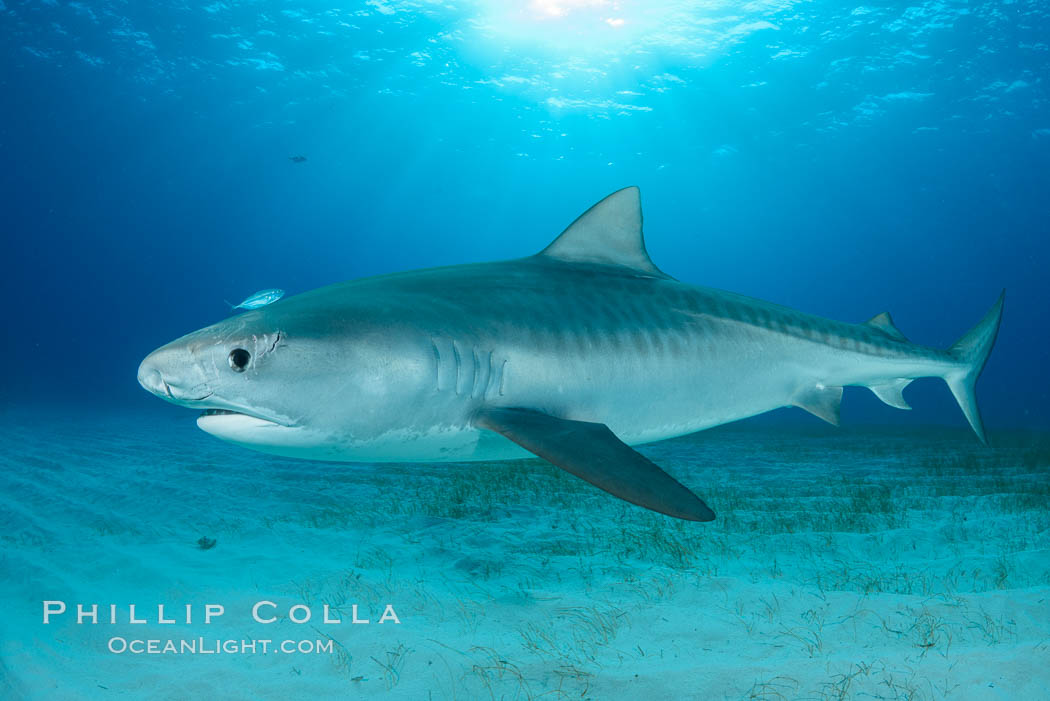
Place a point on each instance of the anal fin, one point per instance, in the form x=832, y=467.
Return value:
x=821, y=401
x=891, y=392
x=593, y=453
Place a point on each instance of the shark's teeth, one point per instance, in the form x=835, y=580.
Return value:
x=216, y=412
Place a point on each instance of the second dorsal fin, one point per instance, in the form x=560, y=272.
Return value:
x=610, y=233
x=884, y=323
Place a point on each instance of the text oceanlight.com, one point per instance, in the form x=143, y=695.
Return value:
x=202, y=646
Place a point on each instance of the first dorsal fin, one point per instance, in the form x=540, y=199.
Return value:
x=884, y=323
x=610, y=232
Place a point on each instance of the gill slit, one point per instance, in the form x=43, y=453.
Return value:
x=459, y=363
x=437, y=365
x=482, y=373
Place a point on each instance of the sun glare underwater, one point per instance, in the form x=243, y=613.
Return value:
x=881, y=168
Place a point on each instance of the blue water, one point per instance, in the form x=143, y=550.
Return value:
x=840, y=159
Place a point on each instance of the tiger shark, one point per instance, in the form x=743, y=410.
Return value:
x=573, y=354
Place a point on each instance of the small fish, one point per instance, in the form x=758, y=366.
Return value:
x=297, y=159
x=259, y=299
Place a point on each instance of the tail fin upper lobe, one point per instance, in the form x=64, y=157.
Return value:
x=971, y=351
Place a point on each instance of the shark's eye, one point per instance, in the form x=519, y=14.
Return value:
x=239, y=359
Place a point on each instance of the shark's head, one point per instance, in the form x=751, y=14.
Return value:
x=230, y=372
x=277, y=380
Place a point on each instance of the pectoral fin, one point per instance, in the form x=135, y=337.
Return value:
x=592, y=452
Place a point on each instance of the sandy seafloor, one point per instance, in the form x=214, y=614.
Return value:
x=851, y=563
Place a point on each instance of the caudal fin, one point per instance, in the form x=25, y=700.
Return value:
x=971, y=351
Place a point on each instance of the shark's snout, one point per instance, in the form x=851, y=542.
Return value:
x=162, y=374
x=151, y=379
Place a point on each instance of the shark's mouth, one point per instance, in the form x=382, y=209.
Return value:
x=240, y=414
x=267, y=435
x=222, y=420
